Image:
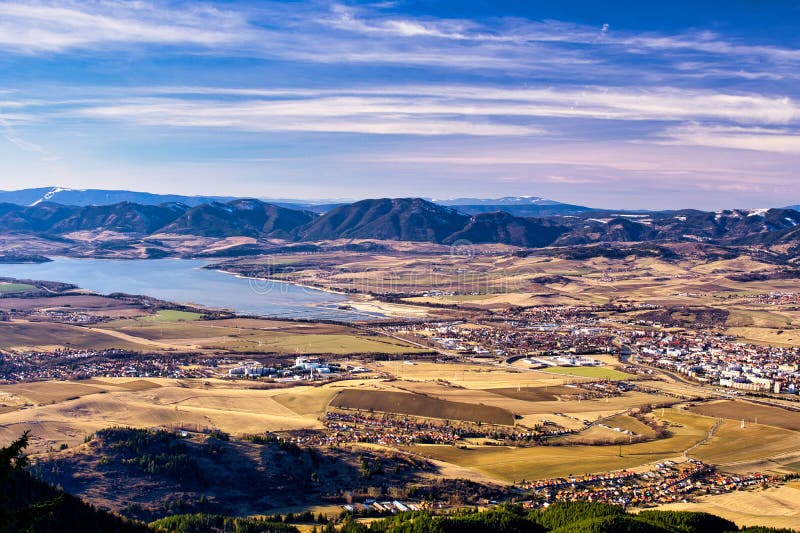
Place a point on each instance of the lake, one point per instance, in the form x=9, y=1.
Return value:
x=185, y=281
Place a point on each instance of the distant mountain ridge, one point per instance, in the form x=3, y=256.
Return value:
x=401, y=219
x=506, y=200
x=85, y=197
x=518, y=205
x=521, y=206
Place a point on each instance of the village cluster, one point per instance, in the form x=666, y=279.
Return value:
x=568, y=336
x=667, y=482
x=61, y=316
x=69, y=364
x=717, y=359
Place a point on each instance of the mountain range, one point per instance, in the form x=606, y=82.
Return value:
x=399, y=219
x=516, y=205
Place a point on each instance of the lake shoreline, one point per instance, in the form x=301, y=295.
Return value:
x=187, y=281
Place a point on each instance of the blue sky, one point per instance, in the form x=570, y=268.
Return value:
x=615, y=104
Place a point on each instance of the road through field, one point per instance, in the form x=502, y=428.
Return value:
x=140, y=340
x=710, y=436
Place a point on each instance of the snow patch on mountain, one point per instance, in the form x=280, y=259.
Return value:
x=48, y=196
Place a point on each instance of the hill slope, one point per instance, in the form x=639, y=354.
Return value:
x=249, y=218
x=399, y=219
x=501, y=227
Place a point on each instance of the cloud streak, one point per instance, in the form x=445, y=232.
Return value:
x=442, y=110
x=40, y=27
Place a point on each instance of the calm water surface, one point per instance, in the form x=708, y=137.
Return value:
x=185, y=281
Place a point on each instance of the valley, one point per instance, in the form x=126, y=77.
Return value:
x=404, y=361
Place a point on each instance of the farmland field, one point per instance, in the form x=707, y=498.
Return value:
x=537, y=394
x=773, y=336
x=733, y=444
x=421, y=406
x=588, y=372
x=750, y=413
x=23, y=335
x=376, y=372
x=510, y=464
x=469, y=375
x=181, y=329
x=8, y=288
x=171, y=315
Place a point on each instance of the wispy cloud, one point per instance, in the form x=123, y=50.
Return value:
x=9, y=133
x=586, y=107
x=436, y=109
x=331, y=33
x=780, y=140
x=48, y=26
x=331, y=114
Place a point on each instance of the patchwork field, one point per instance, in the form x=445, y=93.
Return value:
x=491, y=392
x=252, y=335
x=182, y=331
x=76, y=302
x=20, y=335
x=515, y=464
x=491, y=279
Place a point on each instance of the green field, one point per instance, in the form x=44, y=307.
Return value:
x=9, y=288
x=313, y=344
x=589, y=372
x=171, y=315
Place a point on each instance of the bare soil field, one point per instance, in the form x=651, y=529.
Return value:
x=532, y=412
x=537, y=394
x=421, y=406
